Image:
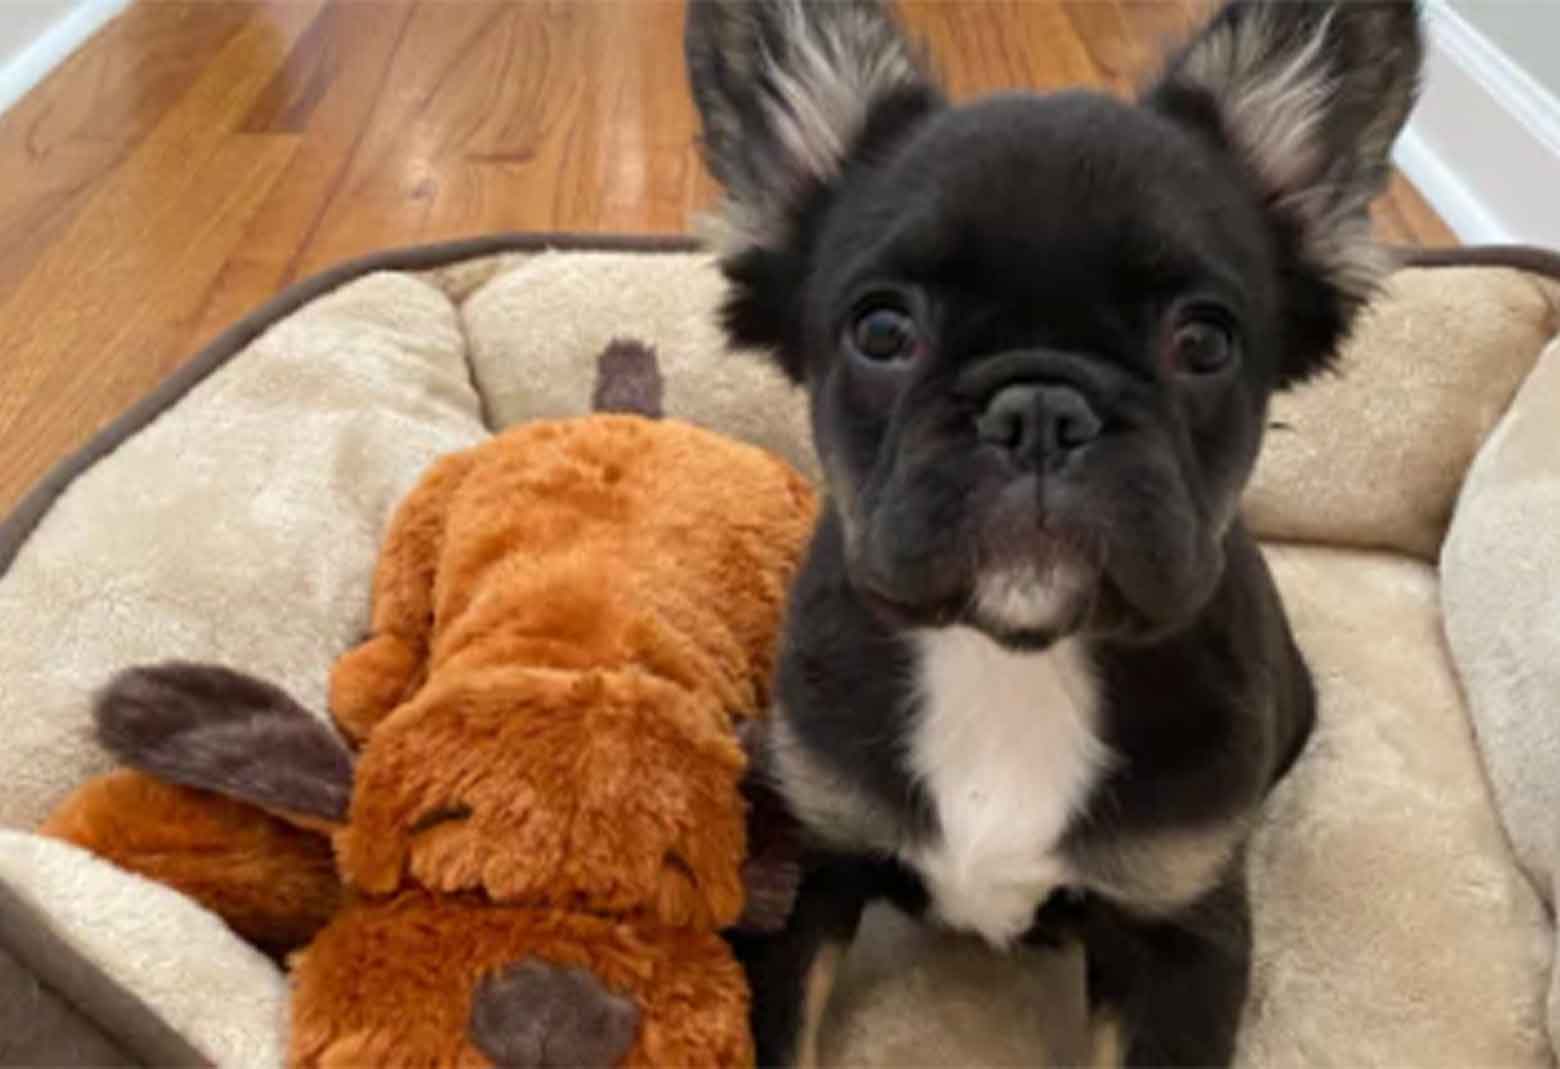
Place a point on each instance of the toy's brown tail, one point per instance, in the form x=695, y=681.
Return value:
x=628, y=379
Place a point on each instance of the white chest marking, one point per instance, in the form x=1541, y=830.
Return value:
x=1005, y=745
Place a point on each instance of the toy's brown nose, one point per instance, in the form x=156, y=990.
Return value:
x=1038, y=420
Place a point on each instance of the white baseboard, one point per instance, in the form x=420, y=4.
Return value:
x=31, y=65
x=1484, y=144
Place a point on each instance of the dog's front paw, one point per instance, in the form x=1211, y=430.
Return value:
x=537, y=1015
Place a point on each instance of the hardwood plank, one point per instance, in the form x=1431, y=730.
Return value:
x=989, y=46
x=337, y=70
x=91, y=112
x=289, y=100
x=1386, y=223
x=636, y=127
x=1157, y=27
x=1102, y=29
x=488, y=79
x=1420, y=223
x=496, y=122
x=107, y=310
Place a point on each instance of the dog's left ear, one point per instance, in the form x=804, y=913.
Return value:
x=1310, y=96
x=789, y=92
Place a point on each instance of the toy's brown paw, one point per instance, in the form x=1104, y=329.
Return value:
x=536, y=1014
x=370, y=680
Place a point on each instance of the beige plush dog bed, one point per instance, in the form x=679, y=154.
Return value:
x=1405, y=877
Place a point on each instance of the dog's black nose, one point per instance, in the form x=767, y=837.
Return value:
x=1037, y=420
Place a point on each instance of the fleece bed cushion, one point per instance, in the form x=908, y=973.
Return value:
x=1501, y=595
x=235, y=516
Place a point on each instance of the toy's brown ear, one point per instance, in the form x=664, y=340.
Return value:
x=202, y=725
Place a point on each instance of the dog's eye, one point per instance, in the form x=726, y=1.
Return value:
x=884, y=333
x=1201, y=347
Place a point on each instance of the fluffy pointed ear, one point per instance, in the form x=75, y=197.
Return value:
x=1310, y=95
x=788, y=92
x=205, y=726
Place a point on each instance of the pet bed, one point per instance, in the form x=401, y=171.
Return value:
x=1405, y=875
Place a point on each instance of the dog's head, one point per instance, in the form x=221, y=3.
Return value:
x=1039, y=332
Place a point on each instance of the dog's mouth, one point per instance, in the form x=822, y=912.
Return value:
x=904, y=613
x=1022, y=593
x=1014, y=631
x=1112, y=551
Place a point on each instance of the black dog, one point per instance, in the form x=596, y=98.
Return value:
x=1037, y=680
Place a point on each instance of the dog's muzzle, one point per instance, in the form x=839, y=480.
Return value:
x=1037, y=405
x=1039, y=422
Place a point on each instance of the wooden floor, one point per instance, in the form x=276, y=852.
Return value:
x=196, y=156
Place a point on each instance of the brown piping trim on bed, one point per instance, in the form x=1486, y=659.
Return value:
x=114, y=1010
x=15, y=528
x=29, y=512
x=1540, y=261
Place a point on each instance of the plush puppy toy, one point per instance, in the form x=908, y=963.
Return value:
x=530, y=840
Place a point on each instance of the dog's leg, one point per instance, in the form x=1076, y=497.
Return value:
x=1106, y=1047
x=791, y=972
x=1170, y=991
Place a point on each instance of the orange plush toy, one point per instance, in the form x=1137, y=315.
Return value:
x=525, y=842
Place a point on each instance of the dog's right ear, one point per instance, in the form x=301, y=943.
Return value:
x=788, y=93
x=1310, y=96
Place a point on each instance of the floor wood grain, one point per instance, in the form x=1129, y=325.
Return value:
x=197, y=155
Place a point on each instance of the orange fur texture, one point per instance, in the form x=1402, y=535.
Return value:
x=401, y=959
x=274, y=884
x=568, y=621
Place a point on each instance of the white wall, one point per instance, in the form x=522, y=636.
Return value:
x=37, y=35
x=24, y=21
x=1484, y=144
x=1527, y=31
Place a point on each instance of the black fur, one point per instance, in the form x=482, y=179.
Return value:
x=1371, y=59
x=1060, y=240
